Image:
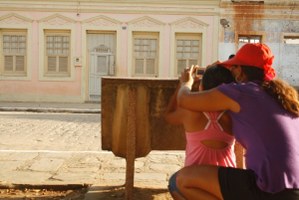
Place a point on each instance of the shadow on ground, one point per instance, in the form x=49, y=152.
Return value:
x=80, y=192
x=43, y=192
x=118, y=193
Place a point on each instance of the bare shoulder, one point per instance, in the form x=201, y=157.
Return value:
x=194, y=121
x=224, y=101
x=209, y=100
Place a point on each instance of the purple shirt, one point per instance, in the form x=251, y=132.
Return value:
x=270, y=135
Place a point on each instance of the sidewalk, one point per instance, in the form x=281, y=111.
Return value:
x=96, y=168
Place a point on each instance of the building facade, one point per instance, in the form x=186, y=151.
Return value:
x=57, y=51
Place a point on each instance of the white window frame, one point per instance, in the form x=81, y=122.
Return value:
x=193, y=25
x=250, y=35
x=69, y=25
x=291, y=39
x=188, y=37
x=251, y=38
x=16, y=23
x=147, y=36
x=14, y=72
x=60, y=34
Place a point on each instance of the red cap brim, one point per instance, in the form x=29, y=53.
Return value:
x=231, y=62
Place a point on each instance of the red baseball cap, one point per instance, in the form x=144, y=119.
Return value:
x=255, y=55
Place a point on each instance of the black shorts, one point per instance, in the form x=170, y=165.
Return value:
x=239, y=184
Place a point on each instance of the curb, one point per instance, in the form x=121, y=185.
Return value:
x=51, y=110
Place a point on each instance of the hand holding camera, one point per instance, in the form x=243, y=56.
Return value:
x=199, y=71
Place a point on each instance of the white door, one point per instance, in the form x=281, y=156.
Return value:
x=101, y=48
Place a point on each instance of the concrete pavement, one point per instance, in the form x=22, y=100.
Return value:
x=59, y=144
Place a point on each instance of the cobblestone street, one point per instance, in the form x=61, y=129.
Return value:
x=50, y=131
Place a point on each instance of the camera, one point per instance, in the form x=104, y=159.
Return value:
x=200, y=71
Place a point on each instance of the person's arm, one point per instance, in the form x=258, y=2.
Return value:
x=210, y=100
x=173, y=114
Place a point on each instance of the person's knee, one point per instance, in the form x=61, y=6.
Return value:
x=172, y=187
x=172, y=183
x=196, y=174
x=180, y=179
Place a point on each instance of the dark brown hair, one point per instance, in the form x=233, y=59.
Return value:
x=216, y=75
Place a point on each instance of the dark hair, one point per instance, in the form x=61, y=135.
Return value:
x=216, y=75
x=231, y=56
x=281, y=91
x=253, y=73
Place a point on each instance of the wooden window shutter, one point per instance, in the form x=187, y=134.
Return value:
x=51, y=63
x=63, y=64
x=14, y=45
x=20, y=62
x=8, y=63
x=57, y=48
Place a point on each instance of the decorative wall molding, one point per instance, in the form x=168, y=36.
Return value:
x=57, y=19
x=146, y=22
x=102, y=21
x=189, y=22
x=14, y=19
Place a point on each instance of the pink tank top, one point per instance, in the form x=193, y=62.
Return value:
x=198, y=153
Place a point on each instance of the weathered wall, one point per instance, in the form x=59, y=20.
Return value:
x=273, y=21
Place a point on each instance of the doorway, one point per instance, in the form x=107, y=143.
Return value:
x=101, y=53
